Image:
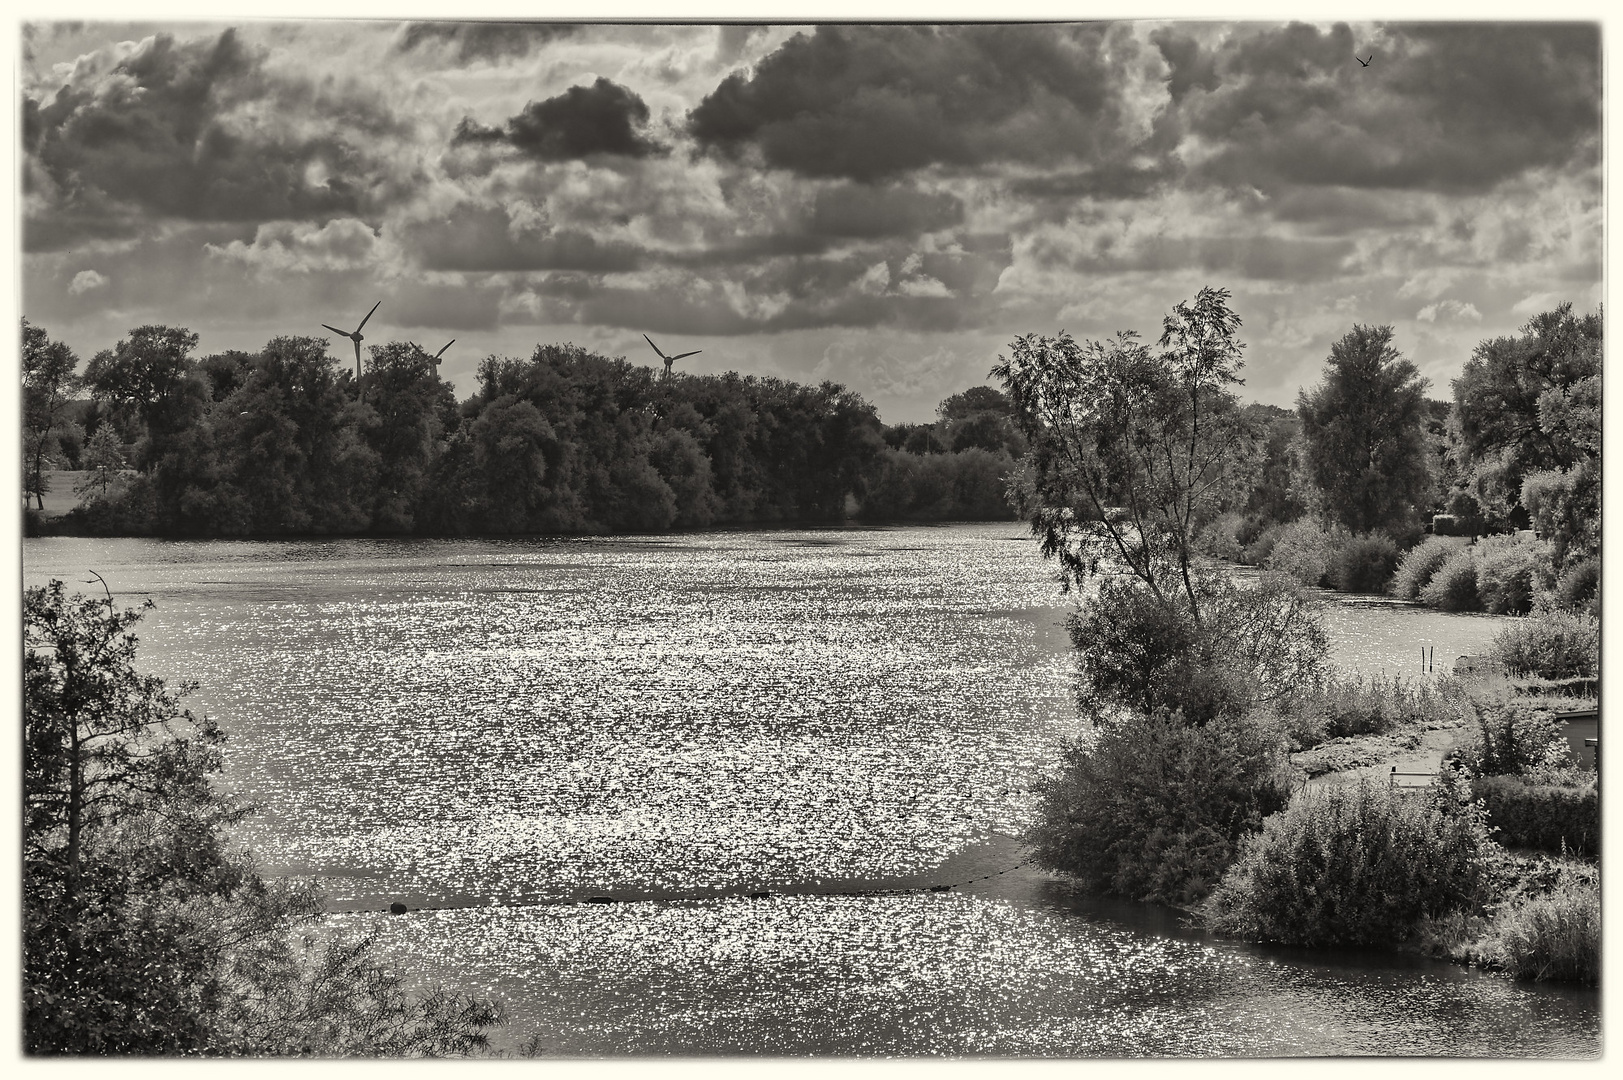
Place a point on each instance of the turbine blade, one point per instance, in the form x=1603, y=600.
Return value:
x=368, y=316
x=334, y=329
x=695, y=352
x=448, y=344
x=650, y=341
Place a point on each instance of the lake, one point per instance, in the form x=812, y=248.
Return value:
x=757, y=742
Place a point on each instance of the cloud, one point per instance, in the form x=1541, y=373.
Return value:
x=1455, y=309
x=581, y=122
x=301, y=248
x=1456, y=107
x=197, y=131
x=484, y=40
x=485, y=238
x=84, y=281
x=873, y=102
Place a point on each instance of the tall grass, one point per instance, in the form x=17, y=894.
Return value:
x=1338, y=706
x=1555, y=937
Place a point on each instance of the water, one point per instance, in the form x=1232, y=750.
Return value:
x=497, y=729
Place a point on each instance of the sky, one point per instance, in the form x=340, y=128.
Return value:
x=884, y=206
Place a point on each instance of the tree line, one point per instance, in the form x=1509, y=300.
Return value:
x=287, y=441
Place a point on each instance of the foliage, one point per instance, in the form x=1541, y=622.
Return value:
x=142, y=932
x=1133, y=449
x=1365, y=436
x=1417, y=566
x=1529, y=403
x=1550, y=644
x=1153, y=808
x=1140, y=652
x=103, y=461
x=1453, y=584
x=964, y=485
x=1578, y=588
x=1304, y=550
x=1550, y=817
x=1508, y=738
x=1364, y=563
x=1353, y=865
x=1564, y=505
x=1509, y=573
x=1554, y=937
x=1339, y=706
x=48, y=383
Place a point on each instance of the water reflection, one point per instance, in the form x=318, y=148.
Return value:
x=508, y=723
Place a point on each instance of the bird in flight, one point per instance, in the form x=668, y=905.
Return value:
x=355, y=337
x=669, y=360
x=1361, y=60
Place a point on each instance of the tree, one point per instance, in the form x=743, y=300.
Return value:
x=151, y=375
x=1365, y=433
x=103, y=459
x=143, y=932
x=48, y=381
x=1133, y=450
x=1500, y=404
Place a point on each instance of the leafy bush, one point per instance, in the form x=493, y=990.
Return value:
x=1556, y=937
x=1364, y=563
x=1153, y=808
x=1144, y=651
x=1261, y=547
x=1510, y=738
x=1418, y=564
x=1353, y=865
x=1550, y=644
x=1304, y=550
x=1548, y=817
x=1579, y=586
x=1508, y=572
x=1453, y=585
x=1220, y=538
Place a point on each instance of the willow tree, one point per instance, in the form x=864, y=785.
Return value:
x=1133, y=448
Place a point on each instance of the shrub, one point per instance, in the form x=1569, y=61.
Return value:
x=1143, y=651
x=1547, y=817
x=1418, y=564
x=1453, y=585
x=1364, y=563
x=1550, y=644
x=1579, y=586
x=1153, y=808
x=1510, y=738
x=1303, y=549
x=1259, y=548
x=1220, y=538
x=1508, y=572
x=1555, y=937
x=1353, y=865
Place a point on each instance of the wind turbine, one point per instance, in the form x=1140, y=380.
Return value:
x=669, y=360
x=356, y=338
x=435, y=359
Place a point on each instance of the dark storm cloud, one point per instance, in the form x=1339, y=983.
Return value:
x=484, y=40
x=871, y=102
x=154, y=136
x=580, y=122
x=1447, y=108
x=464, y=306
x=863, y=211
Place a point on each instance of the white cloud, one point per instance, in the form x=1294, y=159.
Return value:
x=1454, y=309
x=300, y=247
x=84, y=281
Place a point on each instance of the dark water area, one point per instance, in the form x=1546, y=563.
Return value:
x=832, y=720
